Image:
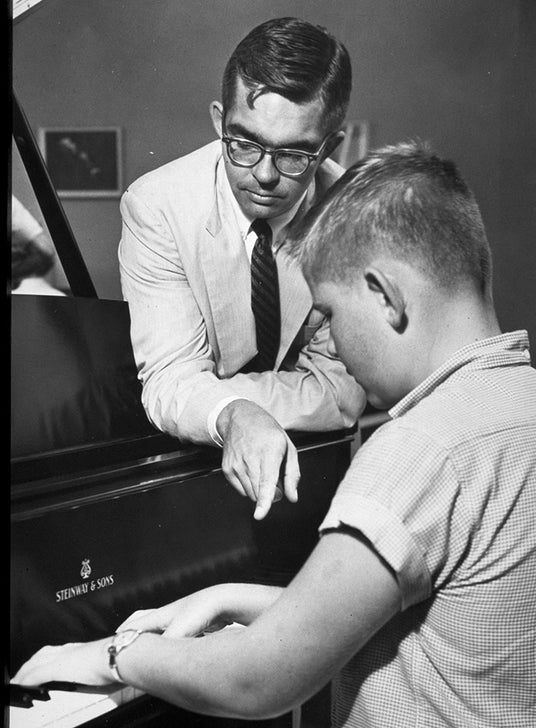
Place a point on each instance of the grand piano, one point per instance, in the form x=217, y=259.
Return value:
x=109, y=515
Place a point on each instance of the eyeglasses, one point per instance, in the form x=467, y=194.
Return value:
x=289, y=162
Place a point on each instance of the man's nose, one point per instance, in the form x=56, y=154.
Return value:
x=265, y=170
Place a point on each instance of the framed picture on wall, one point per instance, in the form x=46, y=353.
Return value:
x=355, y=144
x=83, y=162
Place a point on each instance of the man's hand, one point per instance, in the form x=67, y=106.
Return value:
x=257, y=455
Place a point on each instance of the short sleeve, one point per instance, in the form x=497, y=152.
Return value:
x=400, y=492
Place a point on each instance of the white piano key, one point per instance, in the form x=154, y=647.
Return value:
x=70, y=709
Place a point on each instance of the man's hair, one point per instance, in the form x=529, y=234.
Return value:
x=294, y=59
x=402, y=201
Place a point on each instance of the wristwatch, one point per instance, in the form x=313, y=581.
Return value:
x=119, y=641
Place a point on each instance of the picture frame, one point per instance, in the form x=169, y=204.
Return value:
x=355, y=144
x=83, y=161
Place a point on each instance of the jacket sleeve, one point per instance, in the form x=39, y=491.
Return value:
x=176, y=363
x=317, y=394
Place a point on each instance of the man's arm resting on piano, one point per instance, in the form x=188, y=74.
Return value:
x=342, y=596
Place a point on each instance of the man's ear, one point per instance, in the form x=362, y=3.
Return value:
x=332, y=144
x=216, y=114
x=389, y=296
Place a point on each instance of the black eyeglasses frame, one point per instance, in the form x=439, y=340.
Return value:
x=311, y=156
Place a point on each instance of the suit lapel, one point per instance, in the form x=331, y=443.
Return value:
x=227, y=276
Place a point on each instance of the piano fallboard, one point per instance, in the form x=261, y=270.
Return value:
x=89, y=549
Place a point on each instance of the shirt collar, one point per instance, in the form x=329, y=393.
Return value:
x=508, y=349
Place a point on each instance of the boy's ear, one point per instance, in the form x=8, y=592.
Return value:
x=389, y=296
x=216, y=114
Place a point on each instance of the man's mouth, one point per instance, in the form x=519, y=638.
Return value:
x=262, y=197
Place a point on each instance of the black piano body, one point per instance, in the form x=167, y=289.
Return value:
x=107, y=514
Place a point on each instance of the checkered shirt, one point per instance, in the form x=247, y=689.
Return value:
x=446, y=493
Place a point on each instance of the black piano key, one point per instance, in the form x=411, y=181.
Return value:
x=73, y=687
x=22, y=696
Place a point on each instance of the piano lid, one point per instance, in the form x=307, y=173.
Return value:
x=75, y=397
x=59, y=228
x=74, y=384
x=73, y=378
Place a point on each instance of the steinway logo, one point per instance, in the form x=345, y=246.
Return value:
x=85, y=571
x=87, y=586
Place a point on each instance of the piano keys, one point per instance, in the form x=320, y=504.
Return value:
x=64, y=705
x=126, y=707
x=70, y=709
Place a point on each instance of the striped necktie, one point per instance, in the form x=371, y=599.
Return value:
x=265, y=298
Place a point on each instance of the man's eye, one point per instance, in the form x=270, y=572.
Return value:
x=245, y=146
x=292, y=156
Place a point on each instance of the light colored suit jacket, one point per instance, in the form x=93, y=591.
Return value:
x=186, y=276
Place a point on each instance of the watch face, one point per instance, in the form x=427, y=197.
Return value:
x=122, y=639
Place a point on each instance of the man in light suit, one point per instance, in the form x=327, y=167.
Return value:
x=185, y=260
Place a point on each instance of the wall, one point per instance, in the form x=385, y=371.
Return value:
x=458, y=73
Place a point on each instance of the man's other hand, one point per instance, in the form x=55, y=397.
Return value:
x=258, y=456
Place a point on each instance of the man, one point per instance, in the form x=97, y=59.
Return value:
x=419, y=598
x=190, y=267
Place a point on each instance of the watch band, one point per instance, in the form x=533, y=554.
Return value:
x=119, y=642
